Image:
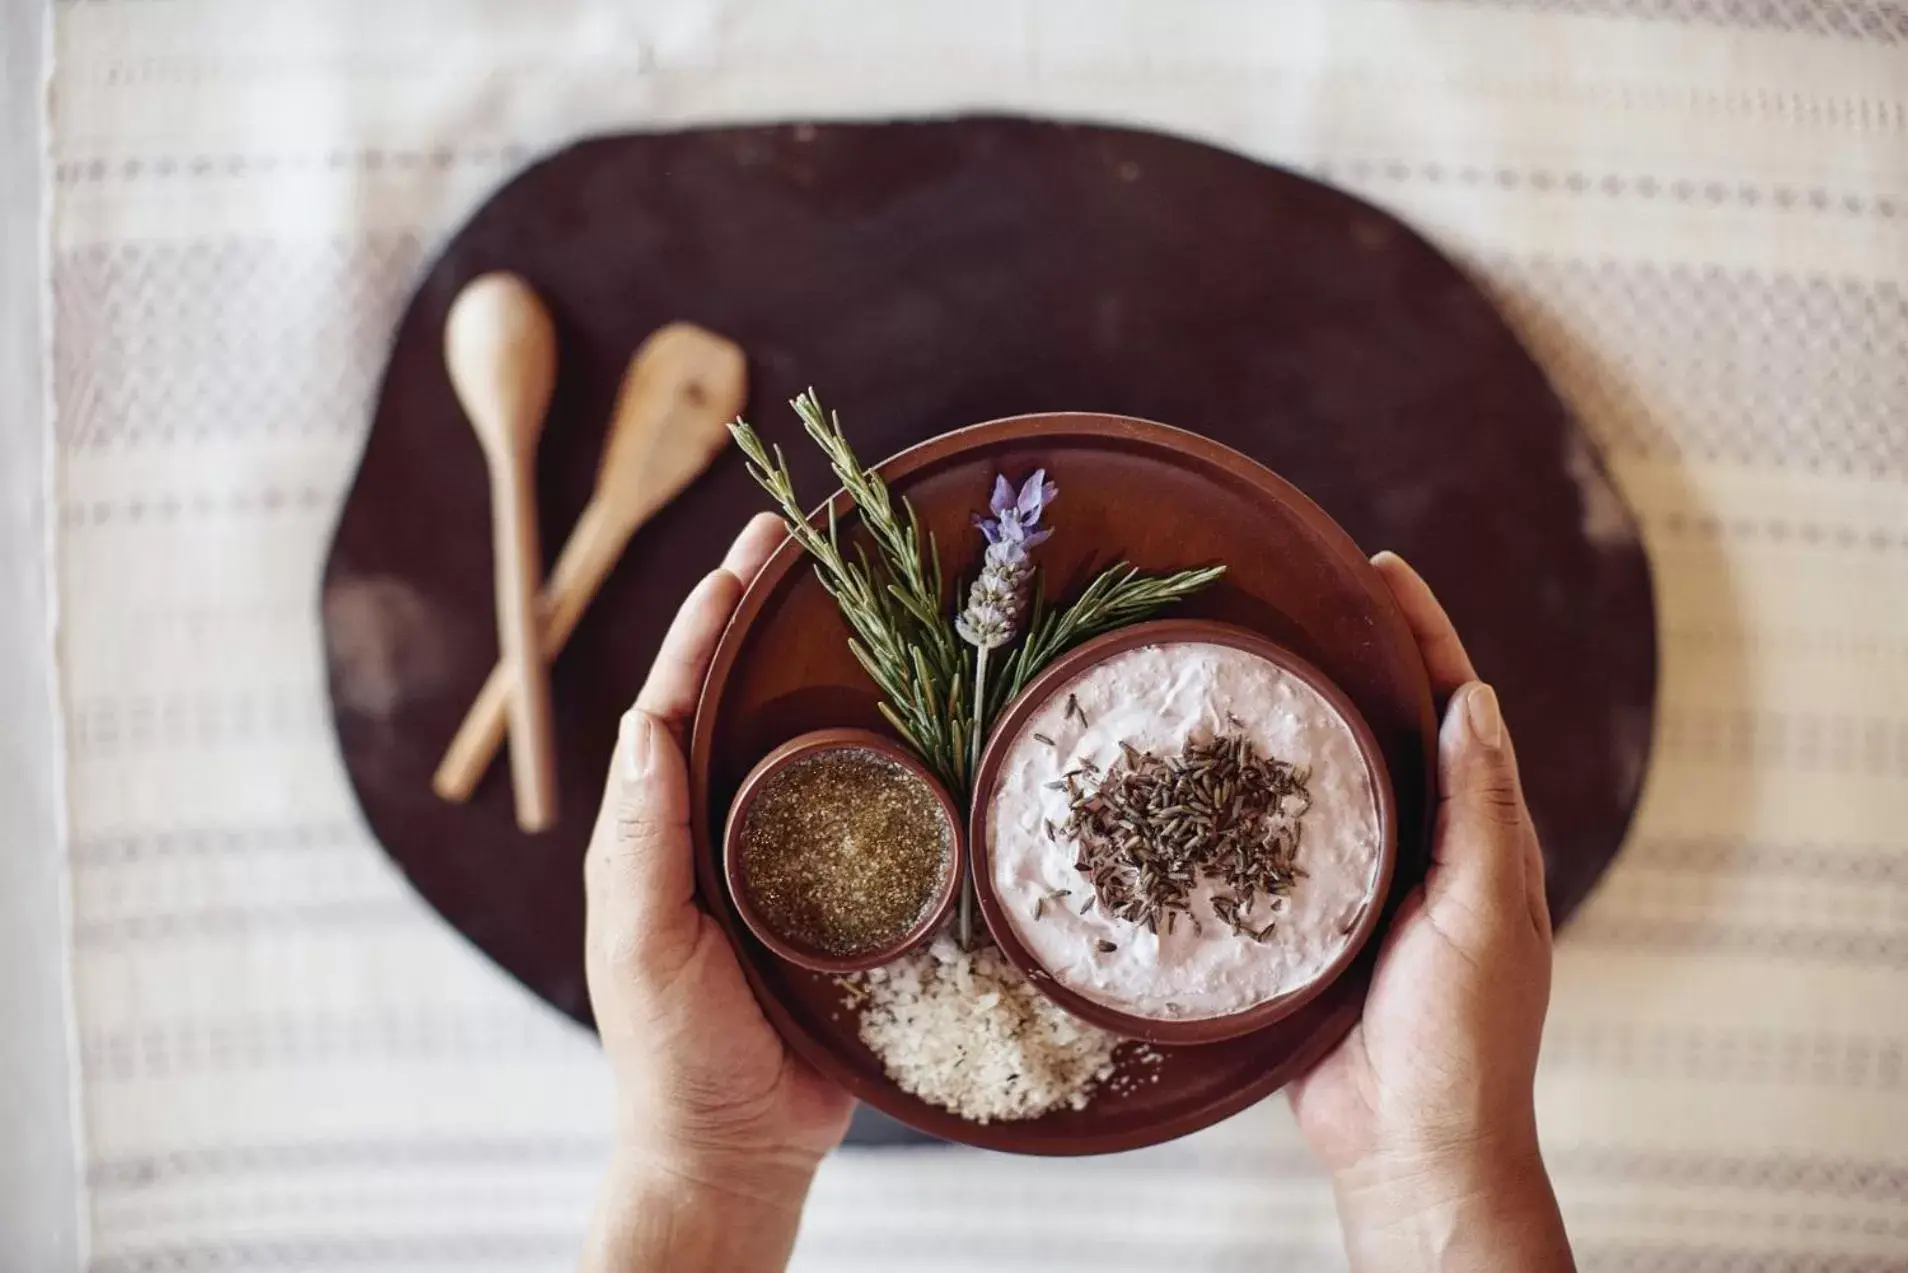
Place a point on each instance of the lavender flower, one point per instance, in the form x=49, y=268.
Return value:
x=995, y=605
x=997, y=599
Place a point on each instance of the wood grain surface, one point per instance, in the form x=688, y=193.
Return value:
x=925, y=276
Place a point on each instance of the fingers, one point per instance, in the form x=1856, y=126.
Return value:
x=1484, y=826
x=1484, y=841
x=639, y=874
x=1444, y=657
x=1534, y=877
x=753, y=547
x=675, y=679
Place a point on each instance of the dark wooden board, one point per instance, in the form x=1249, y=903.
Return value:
x=925, y=276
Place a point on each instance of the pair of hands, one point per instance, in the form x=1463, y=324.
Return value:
x=1423, y=1113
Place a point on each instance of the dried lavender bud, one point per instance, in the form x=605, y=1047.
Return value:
x=1150, y=829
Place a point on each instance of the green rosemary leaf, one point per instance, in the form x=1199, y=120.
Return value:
x=900, y=726
x=934, y=560
x=893, y=601
x=1117, y=596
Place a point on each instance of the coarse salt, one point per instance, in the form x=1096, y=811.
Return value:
x=967, y=1032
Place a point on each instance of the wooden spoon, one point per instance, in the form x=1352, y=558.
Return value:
x=683, y=386
x=500, y=348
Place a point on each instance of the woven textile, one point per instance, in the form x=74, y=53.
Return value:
x=1695, y=212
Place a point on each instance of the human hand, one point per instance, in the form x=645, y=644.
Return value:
x=719, y=1127
x=1425, y=1113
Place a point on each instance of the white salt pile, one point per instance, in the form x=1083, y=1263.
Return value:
x=967, y=1032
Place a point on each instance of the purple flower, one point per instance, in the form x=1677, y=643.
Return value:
x=1016, y=512
x=995, y=601
x=1035, y=494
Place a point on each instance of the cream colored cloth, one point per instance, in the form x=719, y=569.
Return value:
x=1696, y=211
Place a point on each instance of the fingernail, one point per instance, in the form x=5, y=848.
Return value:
x=1384, y=557
x=1480, y=709
x=638, y=743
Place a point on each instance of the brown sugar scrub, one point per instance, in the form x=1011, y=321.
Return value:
x=843, y=851
x=1185, y=831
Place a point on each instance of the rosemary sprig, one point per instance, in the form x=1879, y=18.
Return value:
x=916, y=662
x=1118, y=595
x=917, y=582
x=937, y=695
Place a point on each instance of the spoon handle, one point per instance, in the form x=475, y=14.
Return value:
x=519, y=569
x=592, y=550
x=670, y=422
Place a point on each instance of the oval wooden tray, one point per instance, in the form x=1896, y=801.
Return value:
x=1162, y=499
x=925, y=275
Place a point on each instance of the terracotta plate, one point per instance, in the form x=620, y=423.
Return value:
x=1162, y=499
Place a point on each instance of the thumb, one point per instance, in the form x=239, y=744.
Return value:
x=639, y=874
x=1484, y=834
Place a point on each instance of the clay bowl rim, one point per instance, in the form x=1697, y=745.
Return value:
x=1056, y=676
x=841, y=738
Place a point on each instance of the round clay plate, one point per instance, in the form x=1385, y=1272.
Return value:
x=1163, y=500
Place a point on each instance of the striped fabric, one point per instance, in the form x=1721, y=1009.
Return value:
x=1696, y=213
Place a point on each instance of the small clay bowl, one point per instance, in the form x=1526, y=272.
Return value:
x=1057, y=676
x=802, y=747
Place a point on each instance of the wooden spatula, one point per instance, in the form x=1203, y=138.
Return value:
x=500, y=349
x=683, y=386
